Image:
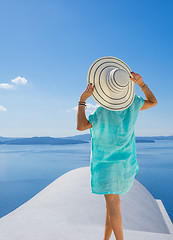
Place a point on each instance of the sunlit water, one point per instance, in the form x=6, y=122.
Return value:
x=26, y=169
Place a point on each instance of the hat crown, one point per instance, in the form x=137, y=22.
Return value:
x=117, y=80
x=119, y=77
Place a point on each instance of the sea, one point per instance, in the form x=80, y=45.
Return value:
x=26, y=169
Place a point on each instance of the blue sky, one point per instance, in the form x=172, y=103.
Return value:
x=48, y=46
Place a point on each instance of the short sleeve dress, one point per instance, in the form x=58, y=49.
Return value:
x=113, y=162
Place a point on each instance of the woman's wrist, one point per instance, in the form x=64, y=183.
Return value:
x=82, y=102
x=143, y=86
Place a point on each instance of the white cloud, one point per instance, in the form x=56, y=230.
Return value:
x=89, y=108
x=2, y=108
x=19, y=80
x=5, y=85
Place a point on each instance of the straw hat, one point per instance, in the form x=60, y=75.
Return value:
x=114, y=90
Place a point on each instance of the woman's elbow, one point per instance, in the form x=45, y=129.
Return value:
x=84, y=127
x=80, y=127
x=154, y=103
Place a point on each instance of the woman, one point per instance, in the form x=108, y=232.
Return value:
x=113, y=220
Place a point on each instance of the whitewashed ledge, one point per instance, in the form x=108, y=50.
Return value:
x=66, y=209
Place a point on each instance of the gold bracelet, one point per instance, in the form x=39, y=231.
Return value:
x=82, y=103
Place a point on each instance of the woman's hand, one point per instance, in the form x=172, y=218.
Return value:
x=135, y=77
x=88, y=92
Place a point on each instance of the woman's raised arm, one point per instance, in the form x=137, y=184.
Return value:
x=82, y=122
x=150, y=100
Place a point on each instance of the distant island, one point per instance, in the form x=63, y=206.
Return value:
x=77, y=139
x=41, y=140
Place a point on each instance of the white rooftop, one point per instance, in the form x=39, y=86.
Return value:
x=66, y=209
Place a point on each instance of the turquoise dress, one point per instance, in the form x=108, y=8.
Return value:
x=113, y=161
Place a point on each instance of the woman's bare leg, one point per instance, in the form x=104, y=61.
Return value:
x=108, y=227
x=113, y=204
